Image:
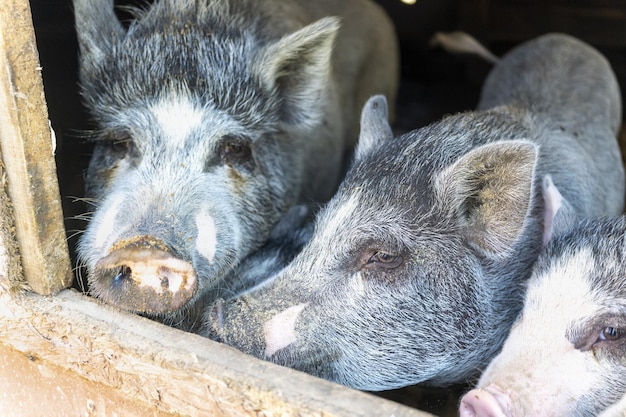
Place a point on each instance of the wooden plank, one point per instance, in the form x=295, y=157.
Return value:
x=166, y=369
x=27, y=153
x=31, y=387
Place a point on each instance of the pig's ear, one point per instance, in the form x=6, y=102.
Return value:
x=558, y=214
x=98, y=30
x=299, y=67
x=374, y=125
x=490, y=191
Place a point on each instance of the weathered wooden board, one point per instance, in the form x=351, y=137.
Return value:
x=27, y=153
x=164, y=369
x=31, y=387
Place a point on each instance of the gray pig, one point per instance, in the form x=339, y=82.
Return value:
x=416, y=267
x=286, y=240
x=213, y=118
x=566, y=354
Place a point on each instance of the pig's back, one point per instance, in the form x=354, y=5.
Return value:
x=559, y=76
x=365, y=58
x=570, y=92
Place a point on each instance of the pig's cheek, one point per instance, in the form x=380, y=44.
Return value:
x=102, y=170
x=279, y=331
x=206, y=242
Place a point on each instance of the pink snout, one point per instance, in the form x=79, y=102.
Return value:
x=485, y=402
x=142, y=275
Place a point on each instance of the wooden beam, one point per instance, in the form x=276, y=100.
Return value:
x=27, y=153
x=166, y=370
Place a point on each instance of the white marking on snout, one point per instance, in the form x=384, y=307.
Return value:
x=280, y=330
x=177, y=118
x=107, y=222
x=206, y=242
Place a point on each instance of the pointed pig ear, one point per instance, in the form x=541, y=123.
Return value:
x=490, y=190
x=97, y=28
x=558, y=213
x=299, y=66
x=374, y=125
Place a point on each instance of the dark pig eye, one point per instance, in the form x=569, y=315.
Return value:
x=235, y=151
x=611, y=334
x=382, y=259
x=120, y=147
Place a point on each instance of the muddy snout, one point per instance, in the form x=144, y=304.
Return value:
x=239, y=324
x=142, y=275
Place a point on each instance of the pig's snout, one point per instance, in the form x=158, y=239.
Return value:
x=485, y=402
x=142, y=275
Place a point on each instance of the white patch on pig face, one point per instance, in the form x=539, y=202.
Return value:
x=177, y=118
x=538, y=367
x=206, y=242
x=105, y=225
x=280, y=330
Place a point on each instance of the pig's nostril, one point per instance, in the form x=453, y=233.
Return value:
x=140, y=277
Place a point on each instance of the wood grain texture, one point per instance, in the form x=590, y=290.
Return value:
x=165, y=369
x=27, y=153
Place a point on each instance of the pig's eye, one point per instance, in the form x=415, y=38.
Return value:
x=235, y=150
x=382, y=259
x=611, y=334
x=120, y=145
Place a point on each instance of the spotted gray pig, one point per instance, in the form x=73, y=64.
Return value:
x=214, y=117
x=566, y=354
x=416, y=267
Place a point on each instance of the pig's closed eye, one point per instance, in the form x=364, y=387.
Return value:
x=383, y=259
x=120, y=145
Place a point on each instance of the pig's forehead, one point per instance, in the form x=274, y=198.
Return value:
x=565, y=282
x=598, y=247
x=218, y=74
x=582, y=280
x=177, y=119
x=181, y=121
x=358, y=214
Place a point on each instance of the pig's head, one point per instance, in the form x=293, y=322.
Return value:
x=566, y=354
x=195, y=153
x=414, y=270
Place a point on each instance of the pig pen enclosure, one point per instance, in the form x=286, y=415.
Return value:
x=63, y=353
